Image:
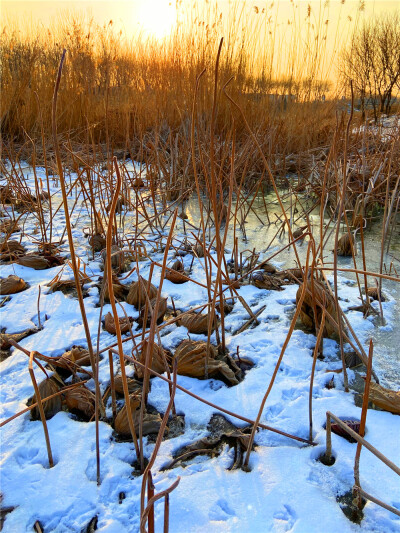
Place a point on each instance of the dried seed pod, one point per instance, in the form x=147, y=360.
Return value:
x=12, y=284
x=386, y=399
x=158, y=356
x=98, y=242
x=162, y=309
x=47, y=388
x=133, y=385
x=137, y=292
x=124, y=323
x=345, y=245
x=196, y=322
x=191, y=360
x=322, y=298
x=81, y=401
x=34, y=261
x=374, y=294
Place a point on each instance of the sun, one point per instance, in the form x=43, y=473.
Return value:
x=155, y=18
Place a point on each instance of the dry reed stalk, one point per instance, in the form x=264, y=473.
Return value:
x=41, y=411
x=362, y=424
x=108, y=274
x=73, y=259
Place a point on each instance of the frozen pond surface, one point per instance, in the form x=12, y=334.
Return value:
x=287, y=489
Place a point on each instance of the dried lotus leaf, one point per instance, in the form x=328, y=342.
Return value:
x=151, y=422
x=78, y=355
x=386, y=399
x=117, y=257
x=263, y=280
x=175, y=277
x=11, y=285
x=124, y=323
x=196, y=322
x=9, y=226
x=5, y=338
x=345, y=245
x=133, y=385
x=158, y=357
x=34, y=261
x=162, y=309
x=322, y=298
x=120, y=292
x=198, y=250
x=268, y=267
x=374, y=294
x=47, y=388
x=191, y=361
x=98, y=242
x=81, y=400
x=138, y=183
x=12, y=246
x=137, y=292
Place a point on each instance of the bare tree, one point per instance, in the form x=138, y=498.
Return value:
x=372, y=61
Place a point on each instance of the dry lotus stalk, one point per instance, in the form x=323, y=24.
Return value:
x=34, y=261
x=191, y=361
x=98, y=242
x=386, y=399
x=374, y=294
x=11, y=285
x=157, y=359
x=81, y=400
x=322, y=298
x=345, y=245
x=47, y=388
x=162, y=309
x=137, y=293
x=133, y=385
x=124, y=323
x=263, y=280
x=195, y=322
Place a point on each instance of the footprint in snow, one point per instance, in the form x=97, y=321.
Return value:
x=284, y=519
x=221, y=511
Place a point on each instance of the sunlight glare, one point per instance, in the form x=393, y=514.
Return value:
x=155, y=18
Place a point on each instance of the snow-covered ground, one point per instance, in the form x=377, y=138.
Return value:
x=288, y=489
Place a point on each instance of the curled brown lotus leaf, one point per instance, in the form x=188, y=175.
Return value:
x=117, y=257
x=9, y=226
x=77, y=355
x=65, y=286
x=137, y=292
x=118, y=208
x=98, y=242
x=162, y=309
x=34, y=261
x=191, y=361
x=176, y=273
x=12, y=284
x=386, y=399
x=198, y=250
x=322, y=298
x=268, y=267
x=195, y=322
x=158, y=356
x=138, y=183
x=124, y=323
x=345, y=245
x=133, y=385
x=291, y=274
x=263, y=280
x=375, y=294
x=81, y=400
x=5, y=338
x=12, y=246
x=151, y=422
x=120, y=292
x=48, y=387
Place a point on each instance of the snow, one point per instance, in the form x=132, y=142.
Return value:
x=287, y=490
